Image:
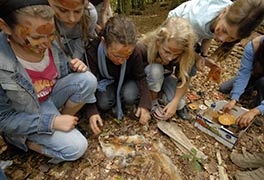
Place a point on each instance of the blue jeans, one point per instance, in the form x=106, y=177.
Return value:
x=107, y=99
x=2, y=174
x=157, y=82
x=71, y=145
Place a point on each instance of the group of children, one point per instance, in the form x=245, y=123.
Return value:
x=53, y=62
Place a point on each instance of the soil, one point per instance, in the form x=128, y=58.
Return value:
x=95, y=165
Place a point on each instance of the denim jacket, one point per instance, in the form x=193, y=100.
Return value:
x=19, y=106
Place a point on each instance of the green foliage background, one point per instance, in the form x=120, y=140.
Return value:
x=128, y=6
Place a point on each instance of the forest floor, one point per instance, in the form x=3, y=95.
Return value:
x=129, y=151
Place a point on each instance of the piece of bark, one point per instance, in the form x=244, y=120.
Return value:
x=175, y=132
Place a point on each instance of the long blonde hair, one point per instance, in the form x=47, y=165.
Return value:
x=180, y=31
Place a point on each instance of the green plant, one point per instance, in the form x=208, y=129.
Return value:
x=194, y=160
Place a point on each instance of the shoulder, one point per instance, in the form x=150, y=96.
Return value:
x=139, y=51
x=140, y=47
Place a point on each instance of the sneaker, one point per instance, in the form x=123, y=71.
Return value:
x=183, y=114
x=248, y=160
x=157, y=111
x=257, y=174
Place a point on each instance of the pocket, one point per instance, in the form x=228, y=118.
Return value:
x=11, y=87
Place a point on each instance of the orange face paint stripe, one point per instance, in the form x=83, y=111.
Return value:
x=69, y=3
x=45, y=29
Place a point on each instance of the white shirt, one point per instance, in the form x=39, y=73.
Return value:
x=200, y=13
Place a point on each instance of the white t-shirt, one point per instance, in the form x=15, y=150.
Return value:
x=36, y=66
x=200, y=13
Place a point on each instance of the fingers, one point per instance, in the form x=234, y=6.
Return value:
x=144, y=119
x=94, y=125
x=137, y=112
x=96, y=130
x=243, y=121
x=78, y=65
x=100, y=122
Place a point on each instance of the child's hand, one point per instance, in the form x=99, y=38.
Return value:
x=143, y=114
x=96, y=120
x=170, y=109
x=65, y=122
x=200, y=64
x=245, y=119
x=229, y=106
x=77, y=65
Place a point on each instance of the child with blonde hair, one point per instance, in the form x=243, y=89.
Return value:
x=170, y=51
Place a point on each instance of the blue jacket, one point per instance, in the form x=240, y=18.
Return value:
x=19, y=105
x=244, y=74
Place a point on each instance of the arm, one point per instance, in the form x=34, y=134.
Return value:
x=93, y=19
x=137, y=58
x=104, y=12
x=93, y=115
x=245, y=119
x=139, y=75
x=178, y=11
x=244, y=72
x=239, y=86
x=205, y=46
x=22, y=123
x=171, y=107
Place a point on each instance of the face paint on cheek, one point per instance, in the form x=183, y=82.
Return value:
x=72, y=4
x=23, y=32
x=32, y=42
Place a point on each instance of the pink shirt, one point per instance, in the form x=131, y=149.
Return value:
x=45, y=80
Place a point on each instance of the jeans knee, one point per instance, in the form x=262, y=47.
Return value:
x=89, y=82
x=130, y=92
x=105, y=104
x=76, y=149
x=105, y=101
x=155, y=76
x=154, y=71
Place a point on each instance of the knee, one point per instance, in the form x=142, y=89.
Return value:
x=155, y=76
x=105, y=101
x=88, y=82
x=154, y=71
x=130, y=92
x=181, y=103
x=76, y=149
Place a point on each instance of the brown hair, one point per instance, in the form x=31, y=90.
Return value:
x=120, y=29
x=247, y=15
x=84, y=22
